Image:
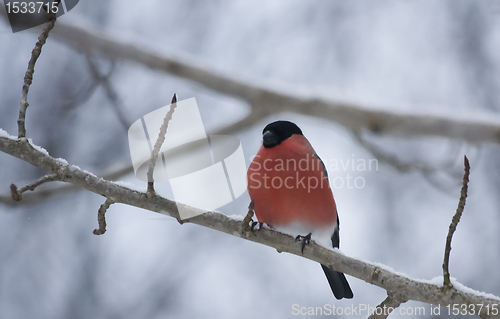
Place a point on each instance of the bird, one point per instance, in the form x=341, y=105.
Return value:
x=288, y=186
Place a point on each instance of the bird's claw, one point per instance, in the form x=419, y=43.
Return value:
x=305, y=240
x=254, y=224
x=248, y=222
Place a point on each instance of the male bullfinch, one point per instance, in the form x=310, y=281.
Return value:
x=288, y=184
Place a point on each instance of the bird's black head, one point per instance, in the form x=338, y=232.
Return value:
x=276, y=132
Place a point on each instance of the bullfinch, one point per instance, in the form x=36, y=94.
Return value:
x=288, y=184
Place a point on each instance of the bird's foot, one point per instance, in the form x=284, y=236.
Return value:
x=248, y=218
x=248, y=222
x=304, y=239
x=252, y=226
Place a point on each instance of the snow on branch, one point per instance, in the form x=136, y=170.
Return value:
x=399, y=287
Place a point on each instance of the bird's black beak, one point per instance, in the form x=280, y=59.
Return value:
x=269, y=139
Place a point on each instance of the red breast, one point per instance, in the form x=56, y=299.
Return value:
x=287, y=185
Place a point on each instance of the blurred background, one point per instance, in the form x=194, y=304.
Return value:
x=413, y=56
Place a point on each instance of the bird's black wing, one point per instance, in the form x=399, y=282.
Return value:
x=336, y=234
x=338, y=282
x=325, y=172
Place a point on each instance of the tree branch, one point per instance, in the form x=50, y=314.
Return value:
x=272, y=101
x=427, y=171
x=159, y=141
x=104, y=81
x=28, y=77
x=117, y=171
x=385, y=308
x=403, y=288
x=454, y=222
x=17, y=193
x=101, y=217
x=112, y=173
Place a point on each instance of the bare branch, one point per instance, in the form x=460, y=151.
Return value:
x=124, y=168
x=353, y=116
x=272, y=101
x=28, y=77
x=17, y=193
x=406, y=288
x=158, y=143
x=14, y=193
x=112, y=173
x=385, y=157
x=453, y=226
x=385, y=308
x=101, y=218
x=428, y=172
x=110, y=92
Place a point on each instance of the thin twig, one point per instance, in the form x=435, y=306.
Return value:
x=103, y=80
x=386, y=307
x=28, y=77
x=14, y=193
x=17, y=193
x=112, y=173
x=101, y=218
x=427, y=171
x=454, y=222
x=159, y=142
x=390, y=159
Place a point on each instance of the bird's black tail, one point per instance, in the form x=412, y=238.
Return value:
x=338, y=283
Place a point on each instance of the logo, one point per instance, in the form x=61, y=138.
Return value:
x=24, y=15
x=204, y=171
